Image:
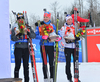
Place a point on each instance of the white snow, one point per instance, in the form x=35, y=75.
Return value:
x=89, y=72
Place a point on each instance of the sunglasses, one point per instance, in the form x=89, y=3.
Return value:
x=21, y=17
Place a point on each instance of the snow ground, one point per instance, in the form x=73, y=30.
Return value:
x=89, y=72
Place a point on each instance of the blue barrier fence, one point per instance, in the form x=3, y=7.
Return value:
x=61, y=57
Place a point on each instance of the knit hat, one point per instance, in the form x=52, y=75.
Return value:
x=20, y=15
x=47, y=14
x=68, y=17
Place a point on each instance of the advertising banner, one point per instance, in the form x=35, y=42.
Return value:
x=93, y=45
x=61, y=57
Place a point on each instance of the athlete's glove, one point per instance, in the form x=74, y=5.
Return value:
x=19, y=35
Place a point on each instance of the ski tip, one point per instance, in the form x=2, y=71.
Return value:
x=25, y=12
x=75, y=9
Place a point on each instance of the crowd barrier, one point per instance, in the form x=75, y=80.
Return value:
x=61, y=57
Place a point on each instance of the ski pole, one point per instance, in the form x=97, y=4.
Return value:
x=56, y=58
x=14, y=15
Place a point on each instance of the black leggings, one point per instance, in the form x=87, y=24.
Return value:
x=68, y=52
x=50, y=51
x=21, y=54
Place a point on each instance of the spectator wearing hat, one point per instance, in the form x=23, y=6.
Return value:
x=19, y=35
x=79, y=19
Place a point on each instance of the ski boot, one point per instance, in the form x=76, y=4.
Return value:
x=51, y=79
x=70, y=81
x=45, y=80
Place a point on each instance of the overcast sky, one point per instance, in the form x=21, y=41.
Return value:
x=36, y=6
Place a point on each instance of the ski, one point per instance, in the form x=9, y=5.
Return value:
x=44, y=55
x=76, y=66
x=90, y=17
x=45, y=61
x=56, y=53
x=31, y=51
x=33, y=63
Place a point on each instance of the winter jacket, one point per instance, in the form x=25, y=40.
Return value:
x=38, y=36
x=79, y=19
x=64, y=31
x=21, y=42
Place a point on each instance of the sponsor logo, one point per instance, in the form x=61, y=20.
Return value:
x=12, y=47
x=98, y=45
x=93, y=31
x=34, y=46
